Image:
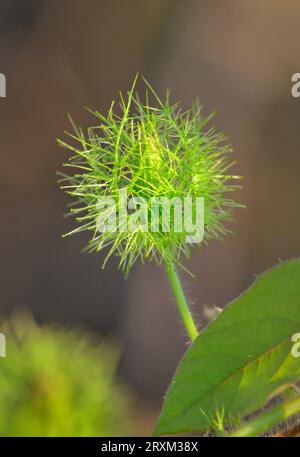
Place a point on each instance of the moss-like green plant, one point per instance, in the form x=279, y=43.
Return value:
x=57, y=382
x=151, y=153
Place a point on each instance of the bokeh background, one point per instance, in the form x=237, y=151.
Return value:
x=61, y=55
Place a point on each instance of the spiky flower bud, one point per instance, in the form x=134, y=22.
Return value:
x=131, y=166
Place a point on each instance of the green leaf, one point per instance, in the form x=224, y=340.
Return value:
x=241, y=359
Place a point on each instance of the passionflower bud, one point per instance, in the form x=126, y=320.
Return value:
x=149, y=182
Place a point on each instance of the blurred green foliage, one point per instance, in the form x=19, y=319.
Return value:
x=56, y=382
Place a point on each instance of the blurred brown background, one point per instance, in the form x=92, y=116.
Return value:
x=61, y=55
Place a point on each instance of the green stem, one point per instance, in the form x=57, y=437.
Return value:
x=180, y=299
x=269, y=419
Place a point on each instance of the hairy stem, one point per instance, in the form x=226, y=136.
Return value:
x=181, y=300
x=267, y=420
